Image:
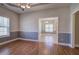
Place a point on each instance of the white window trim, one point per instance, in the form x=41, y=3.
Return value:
x=8, y=31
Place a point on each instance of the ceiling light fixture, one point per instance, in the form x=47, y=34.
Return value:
x=24, y=5
x=28, y=6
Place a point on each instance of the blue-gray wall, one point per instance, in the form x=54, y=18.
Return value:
x=13, y=35
x=62, y=37
x=29, y=22
x=29, y=35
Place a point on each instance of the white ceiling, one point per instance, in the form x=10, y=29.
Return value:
x=38, y=7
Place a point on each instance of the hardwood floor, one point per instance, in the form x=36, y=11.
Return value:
x=20, y=47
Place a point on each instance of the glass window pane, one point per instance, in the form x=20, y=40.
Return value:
x=4, y=26
x=49, y=27
x=1, y=21
x=6, y=22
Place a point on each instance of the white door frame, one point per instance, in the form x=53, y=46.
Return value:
x=39, y=27
x=73, y=28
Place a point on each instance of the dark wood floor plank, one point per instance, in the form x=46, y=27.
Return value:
x=20, y=47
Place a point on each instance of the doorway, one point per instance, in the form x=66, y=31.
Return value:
x=48, y=30
x=76, y=29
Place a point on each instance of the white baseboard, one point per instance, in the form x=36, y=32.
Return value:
x=76, y=45
x=64, y=44
x=8, y=41
x=28, y=39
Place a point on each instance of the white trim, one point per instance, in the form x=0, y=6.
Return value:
x=8, y=41
x=76, y=45
x=28, y=39
x=64, y=44
x=50, y=18
x=73, y=28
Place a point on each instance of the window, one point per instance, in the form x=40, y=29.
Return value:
x=4, y=26
x=48, y=27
